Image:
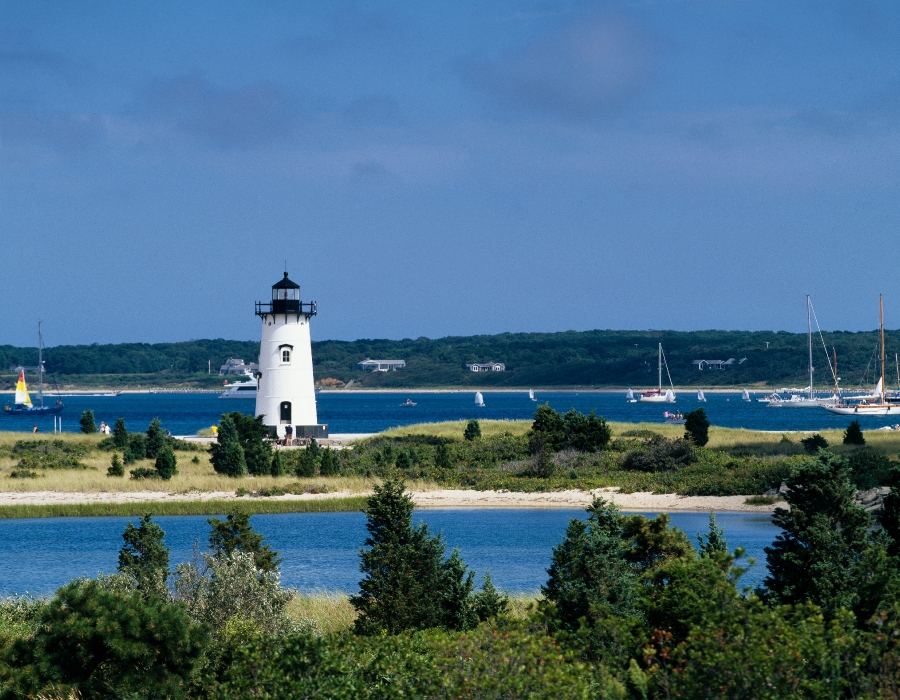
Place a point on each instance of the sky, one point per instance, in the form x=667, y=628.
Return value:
x=433, y=169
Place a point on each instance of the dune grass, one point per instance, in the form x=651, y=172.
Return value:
x=332, y=612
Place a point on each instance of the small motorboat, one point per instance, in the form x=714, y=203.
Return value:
x=408, y=402
x=674, y=418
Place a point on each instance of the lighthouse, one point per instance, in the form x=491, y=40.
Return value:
x=286, y=394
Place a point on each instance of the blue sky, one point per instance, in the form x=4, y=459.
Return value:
x=429, y=169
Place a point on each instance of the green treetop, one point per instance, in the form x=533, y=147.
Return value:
x=235, y=534
x=144, y=558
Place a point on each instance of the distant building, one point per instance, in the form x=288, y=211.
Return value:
x=714, y=364
x=486, y=367
x=368, y=365
x=233, y=366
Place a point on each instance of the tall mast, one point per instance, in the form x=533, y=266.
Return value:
x=809, y=335
x=881, y=314
x=40, y=364
x=660, y=367
x=835, y=372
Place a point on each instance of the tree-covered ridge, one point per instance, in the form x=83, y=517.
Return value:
x=588, y=358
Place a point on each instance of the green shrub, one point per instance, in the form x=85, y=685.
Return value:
x=155, y=440
x=660, y=455
x=696, y=427
x=144, y=473
x=116, y=468
x=136, y=449
x=227, y=455
x=854, y=434
x=87, y=423
x=23, y=474
x=120, y=434
x=472, y=431
x=166, y=463
x=814, y=443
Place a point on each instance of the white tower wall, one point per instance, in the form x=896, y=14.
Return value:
x=286, y=381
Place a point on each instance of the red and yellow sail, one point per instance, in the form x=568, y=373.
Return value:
x=22, y=397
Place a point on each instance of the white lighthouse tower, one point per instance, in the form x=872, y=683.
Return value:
x=286, y=394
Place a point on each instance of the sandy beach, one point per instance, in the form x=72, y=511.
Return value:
x=445, y=498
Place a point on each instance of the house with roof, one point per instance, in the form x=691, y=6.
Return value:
x=368, y=365
x=486, y=367
x=714, y=364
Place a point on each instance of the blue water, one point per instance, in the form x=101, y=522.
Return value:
x=365, y=412
x=321, y=550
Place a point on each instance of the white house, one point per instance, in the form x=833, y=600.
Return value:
x=368, y=365
x=233, y=366
x=486, y=367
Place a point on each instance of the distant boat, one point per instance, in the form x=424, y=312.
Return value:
x=479, y=399
x=408, y=402
x=657, y=395
x=531, y=395
x=240, y=390
x=745, y=396
x=674, y=418
x=23, y=405
x=629, y=396
x=701, y=396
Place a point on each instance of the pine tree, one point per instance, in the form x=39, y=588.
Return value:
x=586, y=433
x=116, y=468
x=442, y=457
x=307, y=464
x=120, y=434
x=251, y=435
x=144, y=558
x=472, y=431
x=277, y=468
x=548, y=431
x=166, y=463
x=403, y=464
x=714, y=540
x=854, y=434
x=136, y=448
x=235, y=534
x=823, y=537
x=489, y=602
x=227, y=455
x=328, y=464
x=87, y=422
x=155, y=439
x=696, y=427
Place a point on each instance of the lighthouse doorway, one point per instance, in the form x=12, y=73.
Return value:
x=285, y=411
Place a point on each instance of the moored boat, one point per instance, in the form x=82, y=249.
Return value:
x=23, y=405
x=657, y=395
x=240, y=390
x=479, y=399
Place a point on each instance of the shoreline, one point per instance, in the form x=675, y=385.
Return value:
x=60, y=503
x=92, y=391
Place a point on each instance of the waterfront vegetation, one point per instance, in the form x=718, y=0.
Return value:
x=631, y=609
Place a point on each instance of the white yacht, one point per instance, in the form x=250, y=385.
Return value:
x=241, y=390
x=657, y=395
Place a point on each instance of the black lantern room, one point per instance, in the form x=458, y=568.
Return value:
x=286, y=300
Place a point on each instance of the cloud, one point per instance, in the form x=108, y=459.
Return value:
x=245, y=115
x=592, y=65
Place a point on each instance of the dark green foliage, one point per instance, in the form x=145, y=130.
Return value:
x=653, y=541
x=814, y=443
x=714, y=542
x=472, y=431
x=144, y=473
x=195, y=460
x=144, y=558
x=166, y=464
x=661, y=455
x=307, y=464
x=488, y=602
x=868, y=468
x=403, y=464
x=548, y=430
x=313, y=448
x=136, y=448
x=542, y=464
x=278, y=466
x=408, y=584
x=823, y=538
x=328, y=463
x=47, y=454
x=156, y=438
x=227, y=455
x=105, y=644
x=853, y=435
x=236, y=534
x=590, y=575
x=87, y=423
x=696, y=427
x=251, y=434
x=442, y=457
x=116, y=467
x=586, y=433
x=120, y=434
x=889, y=518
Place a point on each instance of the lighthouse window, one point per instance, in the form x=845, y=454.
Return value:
x=286, y=294
x=285, y=411
x=285, y=355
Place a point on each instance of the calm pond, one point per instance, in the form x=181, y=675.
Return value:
x=321, y=550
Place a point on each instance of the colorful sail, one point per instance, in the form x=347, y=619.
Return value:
x=22, y=397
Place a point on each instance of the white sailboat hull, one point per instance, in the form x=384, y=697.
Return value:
x=864, y=410
x=660, y=398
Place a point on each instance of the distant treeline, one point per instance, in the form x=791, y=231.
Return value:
x=589, y=358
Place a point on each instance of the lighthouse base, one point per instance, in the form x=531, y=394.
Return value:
x=319, y=432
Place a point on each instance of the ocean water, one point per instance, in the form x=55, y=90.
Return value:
x=321, y=550
x=369, y=412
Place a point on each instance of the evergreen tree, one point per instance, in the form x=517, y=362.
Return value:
x=472, y=431
x=235, y=534
x=120, y=434
x=116, y=468
x=251, y=435
x=442, y=457
x=144, y=558
x=166, y=463
x=307, y=464
x=407, y=584
x=652, y=542
x=823, y=538
x=403, y=465
x=714, y=540
x=88, y=425
x=136, y=448
x=314, y=448
x=278, y=468
x=853, y=435
x=814, y=443
x=696, y=426
x=489, y=602
x=328, y=463
x=586, y=433
x=156, y=438
x=547, y=431
x=227, y=455
x=890, y=513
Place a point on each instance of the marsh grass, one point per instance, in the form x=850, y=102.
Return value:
x=455, y=429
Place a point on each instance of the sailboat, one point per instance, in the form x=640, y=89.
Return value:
x=701, y=396
x=657, y=395
x=479, y=399
x=629, y=396
x=745, y=396
x=864, y=408
x=531, y=395
x=23, y=404
x=798, y=400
